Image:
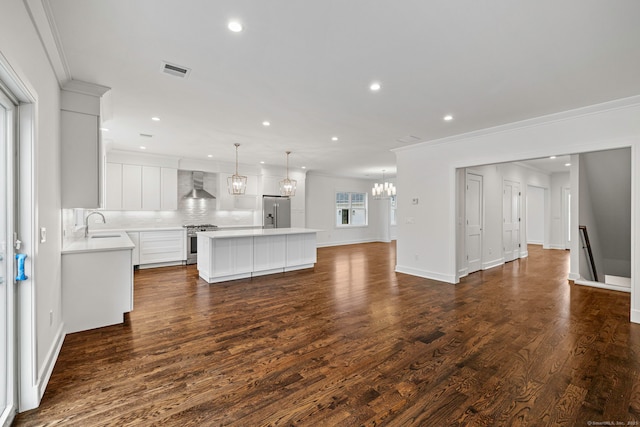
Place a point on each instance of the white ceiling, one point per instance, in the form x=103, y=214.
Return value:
x=306, y=66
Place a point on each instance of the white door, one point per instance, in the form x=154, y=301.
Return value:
x=7, y=299
x=511, y=220
x=473, y=209
x=566, y=217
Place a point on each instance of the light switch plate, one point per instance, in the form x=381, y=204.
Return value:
x=43, y=234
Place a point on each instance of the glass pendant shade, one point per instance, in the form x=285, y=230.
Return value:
x=237, y=184
x=384, y=190
x=288, y=186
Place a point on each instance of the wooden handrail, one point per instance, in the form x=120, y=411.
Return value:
x=585, y=236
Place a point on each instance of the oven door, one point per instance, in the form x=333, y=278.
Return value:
x=192, y=248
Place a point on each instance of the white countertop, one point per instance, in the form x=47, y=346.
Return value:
x=225, y=234
x=120, y=241
x=133, y=229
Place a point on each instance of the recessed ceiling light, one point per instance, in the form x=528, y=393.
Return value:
x=234, y=26
x=262, y=162
x=567, y=164
x=334, y=138
x=304, y=167
x=155, y=119
x=447, y=118
x=142, y=147
x=375, y=86
x=209, y=155
x=552, y=157
x=266, y=123
x=104, y=129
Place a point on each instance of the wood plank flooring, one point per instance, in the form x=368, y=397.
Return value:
x=353, y=343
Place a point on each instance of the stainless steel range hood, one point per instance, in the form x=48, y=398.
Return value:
x=198, y=192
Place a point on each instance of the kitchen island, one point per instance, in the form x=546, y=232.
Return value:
x=237, y=254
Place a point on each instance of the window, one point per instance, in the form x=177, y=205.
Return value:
x=394, y=205
x=351, y=209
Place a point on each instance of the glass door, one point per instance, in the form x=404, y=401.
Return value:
x=7, y=297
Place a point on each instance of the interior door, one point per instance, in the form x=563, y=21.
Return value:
x=474, y=217
x=7, y=298
x=511, y=220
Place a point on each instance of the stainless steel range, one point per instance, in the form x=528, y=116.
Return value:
x=192, y=239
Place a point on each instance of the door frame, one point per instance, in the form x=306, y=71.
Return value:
x=25, y=192
x=515, y=251
x=9, y=336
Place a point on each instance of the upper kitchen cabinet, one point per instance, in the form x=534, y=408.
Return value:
x=81, y=149
x=140, y=183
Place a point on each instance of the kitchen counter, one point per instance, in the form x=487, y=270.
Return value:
x=118, y=242
x=97, y=281
x=225, y=234
x=236, y=254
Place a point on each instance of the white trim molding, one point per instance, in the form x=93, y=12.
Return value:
x=427, y=274
x=602, y=285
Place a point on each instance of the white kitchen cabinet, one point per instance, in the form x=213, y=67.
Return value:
x=150, y=188
x=301, y=250
x=137, y=187
x=131, y=187
x=225, y=259
x=135, y=254
x=162, y=247
x=80, y=152
x=97, y=288
x=269, y=253
x=80, y=149
x=168, y=189
x=113, y=186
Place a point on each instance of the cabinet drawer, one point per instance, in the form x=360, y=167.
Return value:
x=161, y=246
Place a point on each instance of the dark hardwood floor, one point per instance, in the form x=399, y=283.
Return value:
x=352, y=343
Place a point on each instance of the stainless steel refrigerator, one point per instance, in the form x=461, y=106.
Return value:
x=276, y=212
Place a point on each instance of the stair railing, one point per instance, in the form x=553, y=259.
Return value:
x=587, y=245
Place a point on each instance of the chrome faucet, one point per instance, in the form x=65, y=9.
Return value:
x=86, y=222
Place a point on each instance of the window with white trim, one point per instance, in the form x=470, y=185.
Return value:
x=351, y=209
x=394, y=205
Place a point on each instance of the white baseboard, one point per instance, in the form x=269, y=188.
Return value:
x=30, y=398
x=535, y=242
x=494, y=263
x=427, y=274
x=524, y=254
x=574, y=276
x=558, y=247
x=635, y=316
x=50, y=362
x=602, y=286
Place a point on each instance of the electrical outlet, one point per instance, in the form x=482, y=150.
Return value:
x=415, y=201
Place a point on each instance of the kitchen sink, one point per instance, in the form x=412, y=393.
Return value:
x=104, y=236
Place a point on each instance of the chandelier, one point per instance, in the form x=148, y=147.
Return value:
x=237, y=184
x=384, y=190
x=288, y=186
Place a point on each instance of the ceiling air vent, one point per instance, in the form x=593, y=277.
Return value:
x=175, y=70
x=409, y=139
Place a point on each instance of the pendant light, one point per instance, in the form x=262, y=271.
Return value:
x=288, y=186
x=237, y=184
x=384, y=190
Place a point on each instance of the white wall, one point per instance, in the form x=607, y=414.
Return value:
x=535, y=215
x=427, y=236
x=321, y=212
x=21, y=47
